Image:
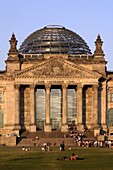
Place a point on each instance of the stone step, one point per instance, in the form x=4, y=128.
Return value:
x=42, y=134
x=25, y=133
x=89, y=133
x=41, y=141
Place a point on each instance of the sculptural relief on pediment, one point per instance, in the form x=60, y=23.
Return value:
x=56, y=67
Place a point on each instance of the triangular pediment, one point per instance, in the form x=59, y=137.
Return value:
x=57, y=68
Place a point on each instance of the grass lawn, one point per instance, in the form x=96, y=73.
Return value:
x=92, y=159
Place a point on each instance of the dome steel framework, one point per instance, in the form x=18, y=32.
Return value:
x=54, y=39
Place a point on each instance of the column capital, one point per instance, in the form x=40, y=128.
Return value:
x=80, y=85
x=64, y=85
x=16, y=86
x=32, y=86
x=95, y=86
x=47, y=86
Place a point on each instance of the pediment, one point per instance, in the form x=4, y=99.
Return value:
x=57, y=68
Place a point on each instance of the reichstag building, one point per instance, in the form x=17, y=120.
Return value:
x=54, y=79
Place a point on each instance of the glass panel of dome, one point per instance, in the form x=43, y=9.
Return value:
x=57, y=35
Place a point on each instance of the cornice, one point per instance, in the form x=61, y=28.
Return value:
x=7, y=78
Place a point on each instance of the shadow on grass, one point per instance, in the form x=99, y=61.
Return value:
x=70, y=159
x=25, y=158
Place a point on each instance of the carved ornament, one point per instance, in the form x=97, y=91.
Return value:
x=32, y=86
x=47, y=86
x=110, y=89
x=64, y=86
x=56, y=68
x=17, y=86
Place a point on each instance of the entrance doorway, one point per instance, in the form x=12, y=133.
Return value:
x=71, y=105
x=55, y=107
x=40, y=107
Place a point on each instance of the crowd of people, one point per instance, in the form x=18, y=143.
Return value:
x=79, y=139
x=73, y=133
x=95, y=143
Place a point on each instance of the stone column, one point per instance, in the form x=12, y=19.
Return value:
x=47, y=127
x=17, y=108
x=95, y=110
x=32, y=108
x=79, y=107
x=64, y=127
x=103, y=106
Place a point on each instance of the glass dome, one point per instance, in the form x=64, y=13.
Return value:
x=54, y=39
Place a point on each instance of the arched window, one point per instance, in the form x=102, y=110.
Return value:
x=1, y=119
x=110, y=117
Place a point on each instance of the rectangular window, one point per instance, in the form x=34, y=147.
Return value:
x=1, y=96
x=111, y=97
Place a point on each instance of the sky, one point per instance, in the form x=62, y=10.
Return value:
x=88, y=18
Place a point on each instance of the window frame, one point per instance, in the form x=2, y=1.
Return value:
x=111, y=97
x=1, y=96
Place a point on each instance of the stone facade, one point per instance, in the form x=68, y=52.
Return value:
x=88, y=75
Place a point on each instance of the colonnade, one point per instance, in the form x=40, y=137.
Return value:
x=64, y=124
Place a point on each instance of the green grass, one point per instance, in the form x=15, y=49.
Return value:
x=92, y=159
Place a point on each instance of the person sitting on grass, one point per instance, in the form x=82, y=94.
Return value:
x=74, y=157
x=65, y=158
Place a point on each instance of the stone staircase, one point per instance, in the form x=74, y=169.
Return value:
x=89, y=135
x=55, y=138
x=41, y=141
x=41, y=134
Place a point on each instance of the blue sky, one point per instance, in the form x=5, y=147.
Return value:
x=88, y=18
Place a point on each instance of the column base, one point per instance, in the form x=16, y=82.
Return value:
x=32, y=128
x=104, y=127
x=96, y=126
x=96, y=130
x=89, y=126
x=17, y=127
x=47, y=127
x=11, y=128
x=64, y=128
x=110, y=130
x=80, y=127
